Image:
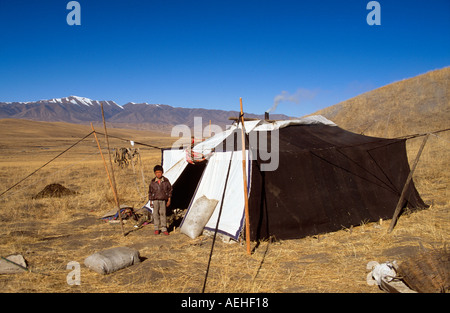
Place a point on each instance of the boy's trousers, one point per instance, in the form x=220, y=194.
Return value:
x=159, y=215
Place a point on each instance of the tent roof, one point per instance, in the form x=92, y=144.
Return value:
x=260, y=125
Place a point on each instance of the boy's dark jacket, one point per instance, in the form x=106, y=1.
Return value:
x=161, y=191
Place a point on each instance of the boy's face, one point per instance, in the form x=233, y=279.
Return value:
x=158, y=174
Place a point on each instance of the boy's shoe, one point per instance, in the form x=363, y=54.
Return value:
x=157, y=232
x=166, y=233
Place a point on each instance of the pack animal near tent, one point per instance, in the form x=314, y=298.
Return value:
x=325, y=178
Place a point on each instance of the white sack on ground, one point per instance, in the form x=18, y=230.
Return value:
x=111, y=260
x=198, y=216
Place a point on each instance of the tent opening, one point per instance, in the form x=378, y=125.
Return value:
x=185, y=186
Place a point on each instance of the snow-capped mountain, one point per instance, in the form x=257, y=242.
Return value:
x=71, y=109
x=75, y=109
x=79, y=101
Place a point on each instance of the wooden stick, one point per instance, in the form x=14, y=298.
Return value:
x=244, y=167
x=142, y=168
x=405, y=187
x=116, y=199
x=104, y=163
x=112, y=171
x=235, y=119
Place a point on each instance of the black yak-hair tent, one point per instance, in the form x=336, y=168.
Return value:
x=328, y=178
x=311, y=177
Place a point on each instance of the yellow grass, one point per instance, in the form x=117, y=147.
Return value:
x=51, y=232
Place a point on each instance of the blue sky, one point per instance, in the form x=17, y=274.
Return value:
x=207, y=54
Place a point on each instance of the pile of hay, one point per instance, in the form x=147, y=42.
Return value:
x=54, y=191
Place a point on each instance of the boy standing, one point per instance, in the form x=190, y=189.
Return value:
x=159, y=192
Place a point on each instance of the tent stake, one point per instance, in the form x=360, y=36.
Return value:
x=405, y=187
x=113, y=185
x=247, y=219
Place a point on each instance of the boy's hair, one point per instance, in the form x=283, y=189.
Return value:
x=158, y=168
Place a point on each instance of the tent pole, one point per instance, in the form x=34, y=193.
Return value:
x=104, y=163
x=405, y=187
x=142, y=168
x=106, y=168
x=244, y=172
x=114, y=186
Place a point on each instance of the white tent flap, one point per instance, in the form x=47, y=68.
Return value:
x=176, y=170
x=212, y=186
x=170, y=157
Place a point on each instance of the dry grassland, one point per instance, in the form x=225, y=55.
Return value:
x=51, y=232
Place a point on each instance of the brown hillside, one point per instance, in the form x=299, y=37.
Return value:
x=415, y=105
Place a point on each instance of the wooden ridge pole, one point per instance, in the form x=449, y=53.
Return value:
x=114, y=186
x=405, y=187
x=244, y=172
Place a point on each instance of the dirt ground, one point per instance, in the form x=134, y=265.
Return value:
x=334, y=262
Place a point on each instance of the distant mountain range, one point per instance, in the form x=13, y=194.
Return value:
x=417, y=104
x=80, y=110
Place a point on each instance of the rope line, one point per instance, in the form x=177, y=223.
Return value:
x=218, y=218
x=47, y=177
x=217, y=224
x=34, y=172
x=136, y=142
